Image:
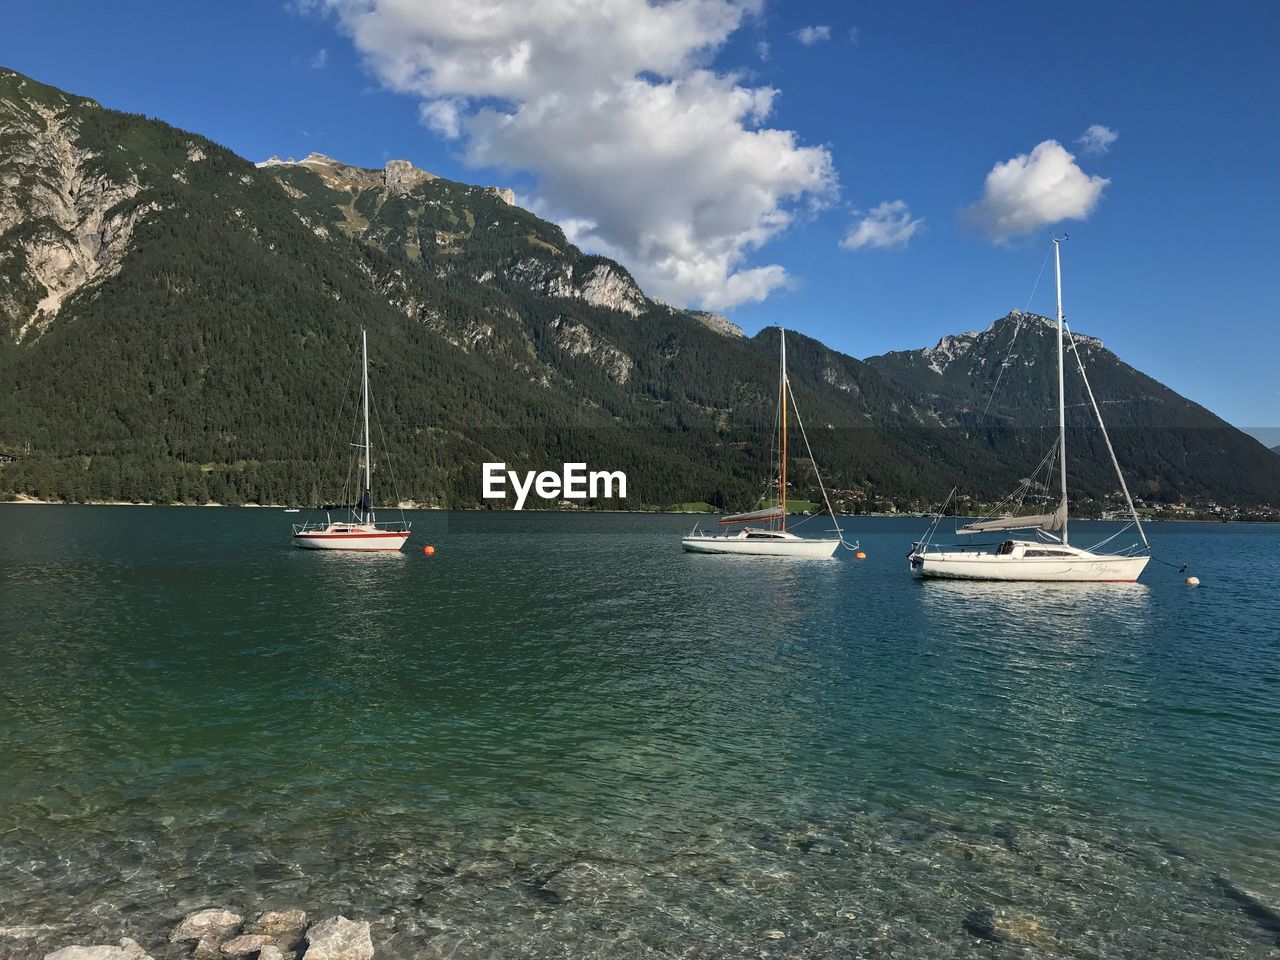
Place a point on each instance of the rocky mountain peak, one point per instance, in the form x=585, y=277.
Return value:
x=717, y=322
x=505, y=194
x=401, y=176
x=606, y=287
x=1021, y=319
x=949, y=349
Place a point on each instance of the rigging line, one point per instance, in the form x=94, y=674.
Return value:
x=333, y=446
x=353, y=465
x=1036, y=285
x=1180, y=567
x=769, y=489
x=1016, y=328
x=1020, y=492
x=928, y=537
x=386, y=448
x=1098, y=413
x=821, y=486
x=1103, y=543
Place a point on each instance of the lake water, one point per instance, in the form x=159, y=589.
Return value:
x=562, y=737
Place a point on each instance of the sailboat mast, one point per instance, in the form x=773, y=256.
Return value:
x=367, y=498
x=783, y=459
x=1062, y=398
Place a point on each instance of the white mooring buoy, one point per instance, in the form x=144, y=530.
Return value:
x=1192, y=581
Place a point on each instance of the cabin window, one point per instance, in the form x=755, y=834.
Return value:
x=1006, y=548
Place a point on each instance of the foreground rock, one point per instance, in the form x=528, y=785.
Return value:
x=217, y=925
x=280, y=923
x=338, y=938
x=245, y=945
x=285, y=928
x=127, y=950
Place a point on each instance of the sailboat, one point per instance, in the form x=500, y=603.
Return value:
x=361, y=530
x=1050, y=557
x=773, y=539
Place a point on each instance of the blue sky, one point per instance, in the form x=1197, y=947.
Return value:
x=1168, y=262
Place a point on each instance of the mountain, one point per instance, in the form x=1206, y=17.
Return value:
x=1000, y=386
x=180, y=324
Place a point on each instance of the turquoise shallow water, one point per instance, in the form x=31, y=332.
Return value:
x=562, y=737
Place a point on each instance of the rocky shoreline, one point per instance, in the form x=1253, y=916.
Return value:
x=275, y=935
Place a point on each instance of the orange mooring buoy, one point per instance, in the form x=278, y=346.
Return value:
x=429, y=550
x=860, y=555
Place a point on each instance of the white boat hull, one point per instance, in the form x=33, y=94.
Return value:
x=790, y=547
x=1084, y=568
x=354, y=540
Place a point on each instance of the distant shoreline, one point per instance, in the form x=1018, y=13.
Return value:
x=24, y=500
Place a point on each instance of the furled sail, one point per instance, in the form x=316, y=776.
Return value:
x=768, y=513
x=363, y=505
x=1044, y=521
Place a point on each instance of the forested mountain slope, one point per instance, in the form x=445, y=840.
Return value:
x=1000, y=387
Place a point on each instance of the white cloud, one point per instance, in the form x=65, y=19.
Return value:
x=762, y=49
x=651, y=157
x=854, y=34
x=811, y=35
x=443, y=115
x=319, y=59
x=1097, y=139
x=1032, y=191
x=888, y=224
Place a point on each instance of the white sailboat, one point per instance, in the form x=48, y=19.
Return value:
x=1049, y=557
x=361, y=530
x=774, y=539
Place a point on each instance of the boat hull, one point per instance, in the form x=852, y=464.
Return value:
x=1079, y=569
x=365, y=541
x=799, y=547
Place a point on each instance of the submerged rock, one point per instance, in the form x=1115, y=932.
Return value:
x=127, y=950
x=338, y=938
x=1009, y=926
x=822, y=843
x=279, y=923
x=1267, y=919
x=1026, y=929
x=215, y=924
x=27, y=930
x=585, y=882
x=981, y=923
x=245, y=944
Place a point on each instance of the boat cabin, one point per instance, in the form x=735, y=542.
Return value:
x=1021, y=549
x=757, y=533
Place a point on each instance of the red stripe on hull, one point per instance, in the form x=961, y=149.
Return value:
x=934, y=576
x=346, y=536
x=358, y=549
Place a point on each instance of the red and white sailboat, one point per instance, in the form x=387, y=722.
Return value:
x=361, y=530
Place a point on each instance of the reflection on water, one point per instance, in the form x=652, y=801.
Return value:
x=563, y=736
x=1079, y=604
